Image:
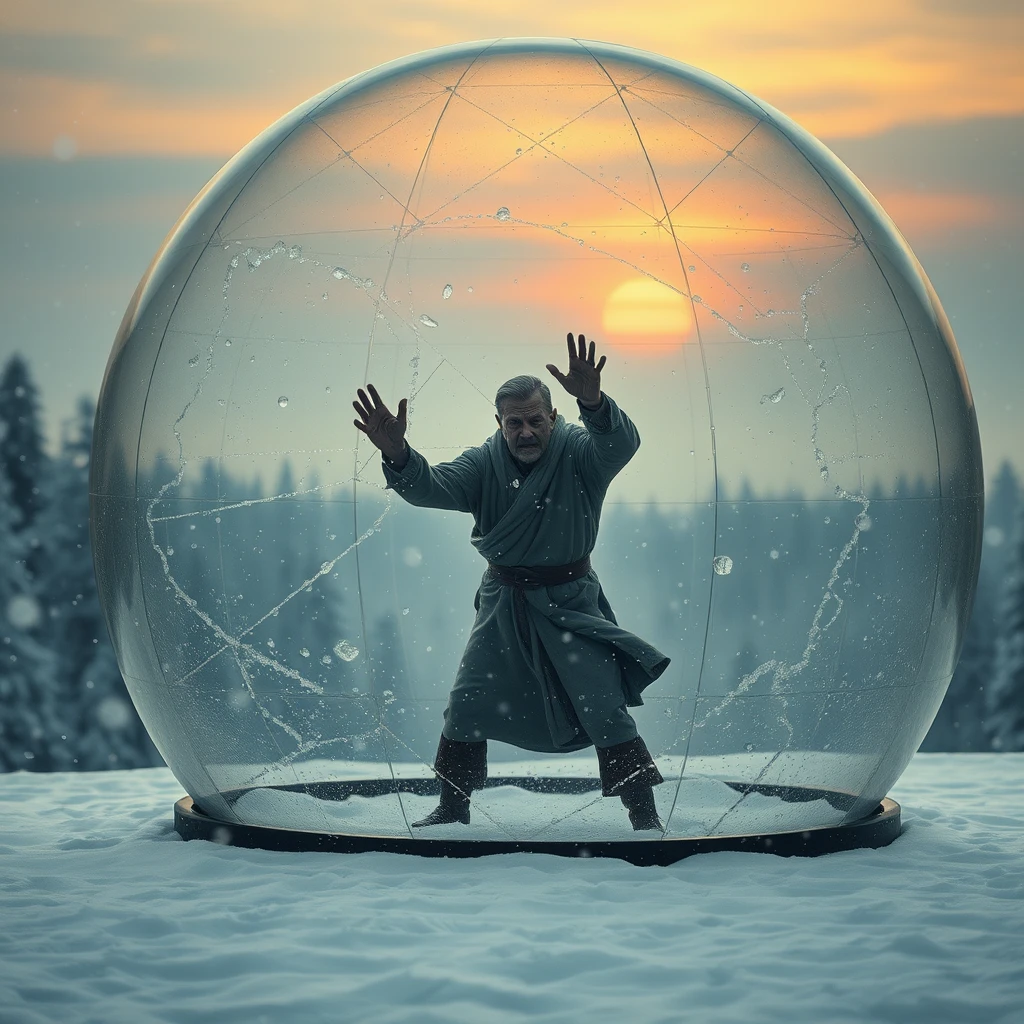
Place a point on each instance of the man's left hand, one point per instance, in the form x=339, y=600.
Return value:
x=583, y=381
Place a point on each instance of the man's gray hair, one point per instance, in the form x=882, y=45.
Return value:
x=520, y=389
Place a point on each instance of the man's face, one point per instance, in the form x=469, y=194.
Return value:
x=526, y=426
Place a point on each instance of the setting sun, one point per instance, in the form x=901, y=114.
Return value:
x=644, y=313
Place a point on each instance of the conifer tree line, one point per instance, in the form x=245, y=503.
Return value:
x=984, y=706
x=64, y=705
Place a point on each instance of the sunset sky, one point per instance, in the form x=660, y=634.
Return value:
x=116, y=112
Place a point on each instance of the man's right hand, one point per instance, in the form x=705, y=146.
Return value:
x=381, y=426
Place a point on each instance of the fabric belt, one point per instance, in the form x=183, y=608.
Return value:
x=533, y=576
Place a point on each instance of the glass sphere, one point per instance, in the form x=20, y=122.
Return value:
x=799, y=530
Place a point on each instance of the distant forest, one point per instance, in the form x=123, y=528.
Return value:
x=64, y=705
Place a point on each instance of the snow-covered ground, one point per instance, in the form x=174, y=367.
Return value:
x=107, y=916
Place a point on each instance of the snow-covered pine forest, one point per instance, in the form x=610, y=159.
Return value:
x=65, y=706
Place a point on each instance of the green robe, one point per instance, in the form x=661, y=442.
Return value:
x=535, y=680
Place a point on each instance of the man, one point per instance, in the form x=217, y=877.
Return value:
x=546, y=666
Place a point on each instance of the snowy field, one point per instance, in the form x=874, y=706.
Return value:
x=109, y=917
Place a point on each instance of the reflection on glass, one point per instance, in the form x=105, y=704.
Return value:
x=436, y=226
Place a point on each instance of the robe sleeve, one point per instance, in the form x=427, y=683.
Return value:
x=610, y=441
x=454, y=485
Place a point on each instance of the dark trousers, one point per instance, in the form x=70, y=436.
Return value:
x=463, y=766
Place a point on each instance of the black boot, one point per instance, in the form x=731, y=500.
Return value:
x=638, y=799
x=454, y=806
x=461, y=767
x=628, y=771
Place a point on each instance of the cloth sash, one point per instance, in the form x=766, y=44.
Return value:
x=533, y=576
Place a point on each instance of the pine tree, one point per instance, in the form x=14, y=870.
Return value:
x=386, y=659
x=960, y=722
x=21, y=449
x=1006, y=695
x=31, y=730
x=1001, y=505
x=104, y=730
x=391, y=689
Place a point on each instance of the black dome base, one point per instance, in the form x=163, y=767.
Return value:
x=875, y=830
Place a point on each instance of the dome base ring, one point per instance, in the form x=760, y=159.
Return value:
x=873, y=831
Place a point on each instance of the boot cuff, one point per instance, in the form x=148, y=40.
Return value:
x=464, y=765
x=625, y=764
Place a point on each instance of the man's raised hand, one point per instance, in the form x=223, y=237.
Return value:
x=380, y=425
x=583, y=381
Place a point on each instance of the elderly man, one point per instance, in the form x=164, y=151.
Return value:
x=546, y=666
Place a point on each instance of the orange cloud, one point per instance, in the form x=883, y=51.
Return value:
x=203, y=78
x=919, y=214
x=99, y=118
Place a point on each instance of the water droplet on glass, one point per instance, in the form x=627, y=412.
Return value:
x=692, y=269
x=283, y=401
x=745, y=267
x=775, y=397
x=447, y=292
x=519, y=151
x=304, y=651
x=503, y=214
x=427, y=321
x=328, y=389
x=227, y=343
x=326, y=660
x=863, y=521
x=723, y=565
x=773, y=554
x=194, y=361
x=470, y=289
x=346, y=651
x=405, y=611
x=828, y=519
x=748, y=747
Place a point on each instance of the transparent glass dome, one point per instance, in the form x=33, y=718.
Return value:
x=799, y=530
